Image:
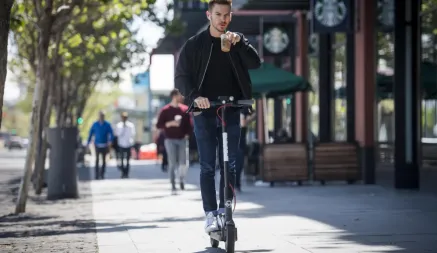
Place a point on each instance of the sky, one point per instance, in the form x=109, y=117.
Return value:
x=149, y=33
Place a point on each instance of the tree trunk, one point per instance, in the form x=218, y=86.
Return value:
x=39, y=138
x=44, y=122
x=44, y=41
x=58, y=100
x=40, y=169
x=5, y=17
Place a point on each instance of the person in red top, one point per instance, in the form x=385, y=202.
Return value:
x=176, y=124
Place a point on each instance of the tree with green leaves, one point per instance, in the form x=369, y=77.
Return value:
x=79, y=45
x=49, y=18
x=5, y=24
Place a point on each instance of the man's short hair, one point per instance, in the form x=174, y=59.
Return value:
x=174, y=92
x=211, y=3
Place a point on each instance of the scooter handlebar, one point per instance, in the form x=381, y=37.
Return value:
x=218, y=103
x=237, y=103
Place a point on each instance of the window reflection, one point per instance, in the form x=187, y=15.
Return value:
x=339, y=49
x=429, y=69
x=385, y=131
x=314, y=96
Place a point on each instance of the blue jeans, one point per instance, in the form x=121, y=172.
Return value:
x=208, y=131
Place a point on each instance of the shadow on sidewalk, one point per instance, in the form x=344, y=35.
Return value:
x=219, y=250
x=85, y=227
x=60, y=227
x=35, y=222
x=12, y=218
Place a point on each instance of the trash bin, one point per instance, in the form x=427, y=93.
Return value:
x=62, y=174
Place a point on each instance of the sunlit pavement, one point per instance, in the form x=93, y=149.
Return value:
x=140, y=215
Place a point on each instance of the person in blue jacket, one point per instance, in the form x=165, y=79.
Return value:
x=103, y=136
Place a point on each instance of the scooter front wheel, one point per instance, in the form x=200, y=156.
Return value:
x=214, y=243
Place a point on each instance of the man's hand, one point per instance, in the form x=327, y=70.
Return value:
x=202, y=103
x=233, y=37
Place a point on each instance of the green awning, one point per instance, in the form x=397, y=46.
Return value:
x=274, y=81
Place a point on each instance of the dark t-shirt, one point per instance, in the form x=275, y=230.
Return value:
x=167, y=114
x=220, y=79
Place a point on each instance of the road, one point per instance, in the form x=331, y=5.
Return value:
x=140, y=215
x=12, y=159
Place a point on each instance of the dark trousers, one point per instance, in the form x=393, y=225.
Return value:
x=124, y=155
x=164, y=160
x=100, y=171
x=207, y=128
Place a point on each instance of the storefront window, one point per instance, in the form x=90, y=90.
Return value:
x=339, y=98
x=385, y=131
x=286, y=115
x=314, y=96
x=429, y=69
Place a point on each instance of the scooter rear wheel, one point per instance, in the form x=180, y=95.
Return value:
x=230, y=239
x=214, y=243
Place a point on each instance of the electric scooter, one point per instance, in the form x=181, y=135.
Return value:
x=228, y=230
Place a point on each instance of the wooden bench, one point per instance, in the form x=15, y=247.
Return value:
x=336, y=161
x=284, y=162
x=429, y=153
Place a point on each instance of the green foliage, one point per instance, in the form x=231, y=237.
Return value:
x=90, y=41
x=15, y=120
x=98, y=101
x=428, y=118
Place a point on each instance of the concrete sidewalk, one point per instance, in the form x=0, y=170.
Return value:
x=140, y=215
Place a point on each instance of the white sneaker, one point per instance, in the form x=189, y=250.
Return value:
x=221, y=220
x=211, y=223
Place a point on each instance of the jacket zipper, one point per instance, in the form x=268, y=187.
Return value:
x=206, y=68
x=238, y=77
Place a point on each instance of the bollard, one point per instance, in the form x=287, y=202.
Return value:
x=62, y=174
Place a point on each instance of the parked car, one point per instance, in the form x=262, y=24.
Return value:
x=14, y=142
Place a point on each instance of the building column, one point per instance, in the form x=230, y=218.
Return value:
x=350, y=87
x=260, y=126
x=407, y=94
x=277, y=106
x=326, y=73
x=365, y=79
x=301, y=98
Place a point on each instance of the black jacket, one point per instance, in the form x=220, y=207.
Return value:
x=194, y=58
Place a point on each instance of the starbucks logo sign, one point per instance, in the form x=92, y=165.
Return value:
x=330, y=13
x=276, y=40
